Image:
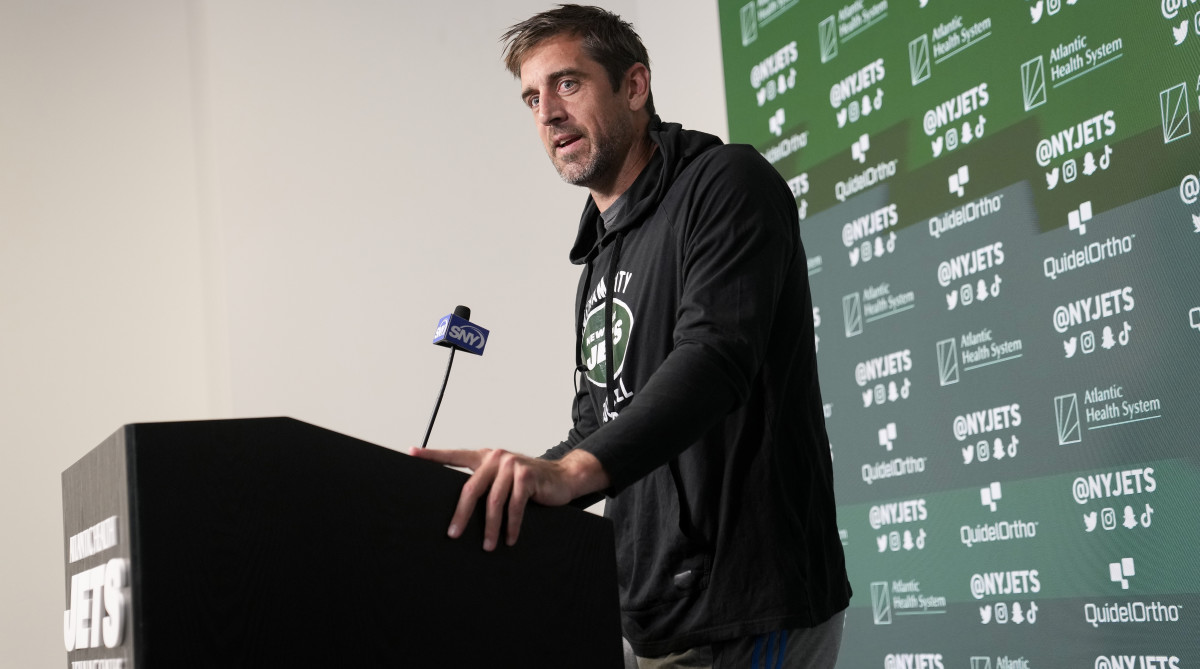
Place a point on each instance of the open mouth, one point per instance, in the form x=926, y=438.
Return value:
x=565, y=141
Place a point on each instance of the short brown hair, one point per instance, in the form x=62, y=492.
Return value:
x=607, y=39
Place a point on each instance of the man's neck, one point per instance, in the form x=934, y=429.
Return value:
x=636, y=160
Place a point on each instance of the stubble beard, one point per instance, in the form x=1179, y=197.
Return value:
x=602, y=162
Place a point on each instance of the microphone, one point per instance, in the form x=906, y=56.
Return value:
x=456, y=332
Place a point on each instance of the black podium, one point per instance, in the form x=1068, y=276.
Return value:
x=275, y=543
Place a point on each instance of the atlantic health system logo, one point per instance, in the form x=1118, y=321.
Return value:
x=902, y=598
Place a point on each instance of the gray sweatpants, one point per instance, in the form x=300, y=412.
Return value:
x=803, y=648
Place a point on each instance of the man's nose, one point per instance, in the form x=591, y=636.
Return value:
x=550, y=111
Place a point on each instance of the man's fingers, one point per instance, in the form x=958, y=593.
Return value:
x=522, y=490
x=454, y=458
x=508, y=480
x=501, y=486
x=472, y=490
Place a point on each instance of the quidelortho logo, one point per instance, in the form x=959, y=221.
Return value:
x=887, y=436
x=1085, y=134
x=990, y=495
x=959, y=179
x=1033, y=83
x=869, y=177
x=1121, y=572
x=1078, y=218
x=844, y=95
x=1176, y=113
x=966, y=214
x=786, y=147
x=775, y=74
x=858, y=150
x=891, y=469
x=1092, y=254
x=1133, y=612
x=775, y=123
x=1001, y=531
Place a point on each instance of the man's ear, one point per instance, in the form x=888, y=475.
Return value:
x=637, y=86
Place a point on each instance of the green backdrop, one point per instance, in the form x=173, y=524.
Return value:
x=998, y=202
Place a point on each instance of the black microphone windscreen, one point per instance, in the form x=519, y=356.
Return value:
x=463, y=312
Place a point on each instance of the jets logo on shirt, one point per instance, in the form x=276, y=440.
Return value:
x=594, y=333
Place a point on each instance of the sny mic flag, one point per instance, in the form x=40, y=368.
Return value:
x=454, y=331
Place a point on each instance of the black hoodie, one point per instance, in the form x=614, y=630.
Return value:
x=702, y=402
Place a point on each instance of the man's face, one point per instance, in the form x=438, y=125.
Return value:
x=586, y=127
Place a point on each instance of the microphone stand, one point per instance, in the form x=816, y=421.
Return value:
x=437, y=405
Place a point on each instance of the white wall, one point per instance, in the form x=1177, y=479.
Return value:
x=213, y=209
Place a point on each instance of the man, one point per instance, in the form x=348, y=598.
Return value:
x=699, y=412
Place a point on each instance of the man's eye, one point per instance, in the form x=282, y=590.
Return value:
x=532, y=102
x=567, y=86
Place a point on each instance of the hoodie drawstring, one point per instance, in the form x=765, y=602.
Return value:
x=609, y=391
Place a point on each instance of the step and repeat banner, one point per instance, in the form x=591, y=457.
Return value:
x=999, y=205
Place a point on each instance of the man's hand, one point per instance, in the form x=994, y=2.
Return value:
x=513, y=479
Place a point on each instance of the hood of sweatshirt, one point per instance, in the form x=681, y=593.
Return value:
x=675, y=151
